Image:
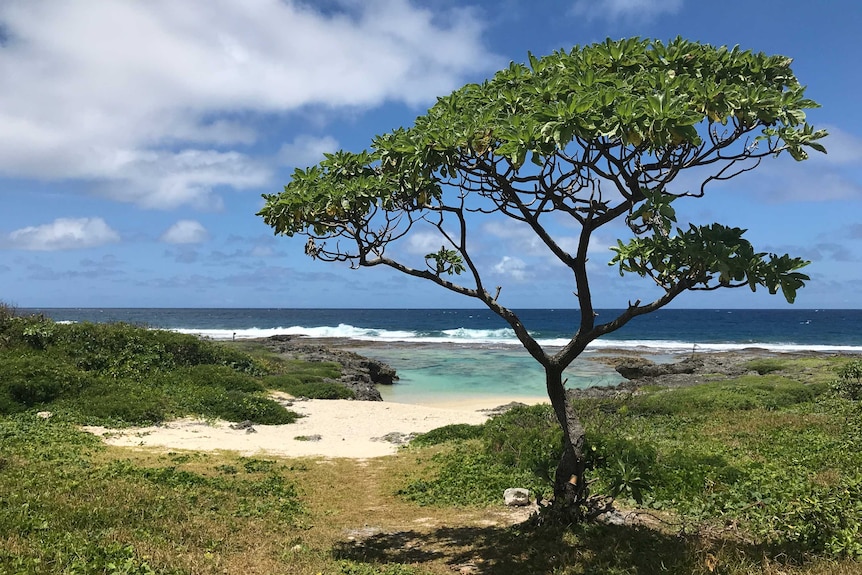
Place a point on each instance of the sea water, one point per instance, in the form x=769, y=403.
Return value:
x=456, y=353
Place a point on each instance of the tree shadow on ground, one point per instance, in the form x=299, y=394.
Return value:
x=518, y=550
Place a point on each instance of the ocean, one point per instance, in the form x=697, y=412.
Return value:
x=449, y=354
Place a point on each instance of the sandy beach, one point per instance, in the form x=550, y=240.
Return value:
x=328, y=428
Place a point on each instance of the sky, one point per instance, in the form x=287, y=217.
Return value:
x=137, y=137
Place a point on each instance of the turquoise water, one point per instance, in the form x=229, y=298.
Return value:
x=448, y=373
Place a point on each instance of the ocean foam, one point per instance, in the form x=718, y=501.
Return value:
x=503, y=337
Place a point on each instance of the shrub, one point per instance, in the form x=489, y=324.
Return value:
x=35, y=379
x=849, y=382
x=125, y=351
x=518, y=448
x=233, y=406
x=626, y=465
x=119, y=402
x=312, y=389
x=467, y=476
x=113, y=350
x=526, y=438
x=216, y=376
x=765, y=365
x=454, y=432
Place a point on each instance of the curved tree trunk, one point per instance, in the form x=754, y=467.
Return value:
x=570, y=485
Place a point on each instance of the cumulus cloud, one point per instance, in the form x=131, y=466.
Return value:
x=515, y=268
x=306, y=150
x=843, y=148
x=625, y=9
x=64, y=234
x=160, y=94
x=185, y=232
x=422, y=242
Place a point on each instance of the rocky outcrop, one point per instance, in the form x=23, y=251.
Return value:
x=358, y=373
x=639, y=367
x=691, y=370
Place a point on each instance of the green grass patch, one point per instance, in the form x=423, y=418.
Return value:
x=743, y=393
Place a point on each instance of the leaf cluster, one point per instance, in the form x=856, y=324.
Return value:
x=702, y=257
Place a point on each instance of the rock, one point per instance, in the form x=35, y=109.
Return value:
x=250, y=430
x=516, y=497
x=44, y=415
x=247, y=424
x=315, y=437
x=358, y=373
x=380, y=373
x=639, y=367
x=501, y=409
x=396, y=438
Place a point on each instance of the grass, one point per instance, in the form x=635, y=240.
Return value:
x=755, y=475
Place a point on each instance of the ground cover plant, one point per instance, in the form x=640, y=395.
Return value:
x=768, y=460
x=715, y=475
x=118, y=374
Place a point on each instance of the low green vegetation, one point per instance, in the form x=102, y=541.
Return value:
x=118, y=374
x=759, y=474
x=765, y=458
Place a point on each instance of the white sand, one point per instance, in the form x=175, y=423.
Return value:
x=346, y=428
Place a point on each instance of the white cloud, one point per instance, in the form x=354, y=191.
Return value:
x=420, y=242
x=306, y=150
x=515, y=268
x=625, y=9
x=163, y=180
x=843, y=148
x=88, y=85
x=185, y=232
x=64, y=234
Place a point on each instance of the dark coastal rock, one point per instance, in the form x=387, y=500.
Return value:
x=691, y=370
x=358, y=373
x=639, y=367
x=623, y=389
x=242, y=424
x=501, y=409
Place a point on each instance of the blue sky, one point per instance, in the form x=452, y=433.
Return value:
x=136, y=138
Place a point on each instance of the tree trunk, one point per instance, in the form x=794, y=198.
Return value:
x=570, y=486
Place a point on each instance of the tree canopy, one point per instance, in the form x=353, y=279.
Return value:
x=593, y=135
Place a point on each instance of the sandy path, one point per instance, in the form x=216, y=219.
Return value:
x=345, y=429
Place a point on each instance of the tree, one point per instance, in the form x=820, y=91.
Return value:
x=595, y=135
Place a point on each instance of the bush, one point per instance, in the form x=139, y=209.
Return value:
x=849, y=382
x=34, y=379
x=467, y=476
x=454, y=432
x=527, y=438
x=220, y=376
x=119, y=402
x=765, y=365
x=518, y=448
x=626, y=465
x=125, y=351
x=312, y=390
x=232, y=406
